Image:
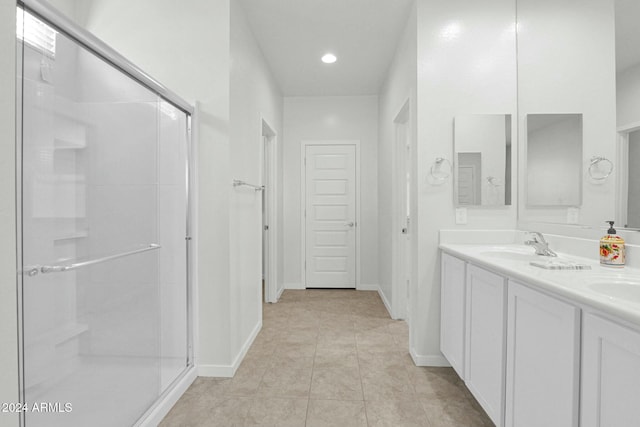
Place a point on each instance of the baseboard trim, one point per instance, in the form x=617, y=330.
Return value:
x=367, y=287
x=428, y=360
x=279, y=294
x=228, y=371
x=293, y=286
x=163, y=407
x=385, y=301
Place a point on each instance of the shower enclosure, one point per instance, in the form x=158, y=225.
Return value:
x=105, y=302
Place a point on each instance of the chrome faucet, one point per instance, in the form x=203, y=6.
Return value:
x=540, y=244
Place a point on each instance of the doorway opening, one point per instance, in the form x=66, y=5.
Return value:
x=628, y=178
x=269, y=222
x=402, y=230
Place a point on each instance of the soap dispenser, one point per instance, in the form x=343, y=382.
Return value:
x=612, y=251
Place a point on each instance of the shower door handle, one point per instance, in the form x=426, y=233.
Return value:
x=77, y=265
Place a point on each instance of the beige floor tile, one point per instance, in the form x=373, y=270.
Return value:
x=248, y=377
x=227, y=412
x=291, y=362
x=401, y=341
x=336, y=383
x=398, y=327
x=344, y=345
x=381, y=360
x=277, y=412
x=329, y=358
x=206, y=386
x=187, y=412
x=375, y=342
x=291, y=382
x=386, y=383
x=436, y=382
x=381, y=325
x=454, y=412
x=336, y=357
x=294, y=350
x=336, y=413
x=396, y=413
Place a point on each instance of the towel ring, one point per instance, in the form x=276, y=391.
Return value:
x=440, y=176
x=594, y=169
x=493, y=181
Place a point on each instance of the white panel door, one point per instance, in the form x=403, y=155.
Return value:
x=330, y=216
x=543, y=346
x=610, y=374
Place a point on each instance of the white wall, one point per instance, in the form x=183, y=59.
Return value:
x=466, y=65
x=330, y=118
x=254, y=96
x=399, y=87
x=566, y=64
x=8, y=297
x=185, y=45
x=628, y=96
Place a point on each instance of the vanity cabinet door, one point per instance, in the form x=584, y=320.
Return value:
x=485, y=340
x=452, y=311
x=543, y=360
x=610, y=374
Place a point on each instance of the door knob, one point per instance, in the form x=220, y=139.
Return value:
x=351, y=224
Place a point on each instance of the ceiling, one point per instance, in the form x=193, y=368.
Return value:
x=627, y=33
x=294, y=34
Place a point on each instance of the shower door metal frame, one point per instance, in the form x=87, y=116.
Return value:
x=97, y=47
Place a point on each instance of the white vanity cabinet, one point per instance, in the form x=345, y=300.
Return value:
x=485, y=337
x=543, y=360
x=534, y=357
x=610, y=387
x=452, y=299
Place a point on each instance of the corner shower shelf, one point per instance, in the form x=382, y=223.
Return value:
x=66, y=144
x=59, y=335
x=71, y=236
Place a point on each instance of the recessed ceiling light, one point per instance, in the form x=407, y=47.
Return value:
x=329, y=58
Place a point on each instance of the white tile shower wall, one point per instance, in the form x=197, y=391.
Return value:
x=184, y=67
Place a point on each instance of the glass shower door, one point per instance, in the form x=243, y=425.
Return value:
x=103, y=226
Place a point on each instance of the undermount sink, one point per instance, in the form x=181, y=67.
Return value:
x=624, y=289
x=515, y=254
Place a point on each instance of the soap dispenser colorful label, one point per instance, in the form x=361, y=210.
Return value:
x=612, y=251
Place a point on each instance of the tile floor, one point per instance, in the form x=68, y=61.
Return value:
x=329, y=358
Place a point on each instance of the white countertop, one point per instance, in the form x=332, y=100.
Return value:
x=615, y=291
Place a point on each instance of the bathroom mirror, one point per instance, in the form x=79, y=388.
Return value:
x=627, y=33
x=554, y=160
x=576, y=62
x=482, y=158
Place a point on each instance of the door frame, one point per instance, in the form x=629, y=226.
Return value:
x=269, y=153
x=403, y=141
x=303, y=202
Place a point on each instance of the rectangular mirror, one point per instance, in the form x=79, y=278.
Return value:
x=482, y=153
x=554, y=160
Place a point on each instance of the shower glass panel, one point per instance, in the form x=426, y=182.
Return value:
x=104, y=258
